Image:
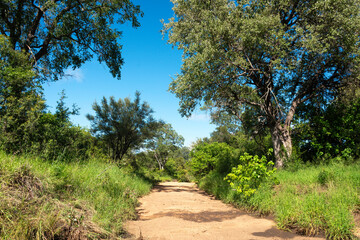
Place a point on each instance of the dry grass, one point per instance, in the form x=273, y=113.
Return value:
x=56, y=200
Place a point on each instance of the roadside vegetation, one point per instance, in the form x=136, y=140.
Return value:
x=313, y=200
x=310, y=196
x=46, y=200
x=280, y=80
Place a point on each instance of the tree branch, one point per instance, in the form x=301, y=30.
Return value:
x=50, y=35
x=34, y=26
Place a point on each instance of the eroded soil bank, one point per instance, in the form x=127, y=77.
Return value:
x=180, y=211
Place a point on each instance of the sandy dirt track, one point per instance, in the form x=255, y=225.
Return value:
x=180, y=211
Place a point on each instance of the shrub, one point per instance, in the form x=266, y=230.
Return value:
x=252, y=171
x=324, y=177
x=207, y=157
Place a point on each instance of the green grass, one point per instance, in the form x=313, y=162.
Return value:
x=45, y=200
x=313, y=200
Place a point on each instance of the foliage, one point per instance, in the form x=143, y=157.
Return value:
x=123, y=124
x=21, y=101
x=266, y=56
x=331, y=132
x=241, y=140
x=179, y=169
x=153, y=176
x=248, y=176
x=164, y=143
x=214, y=183
x=214, y=156
x=56, y=138
x=58, y=200
x=63, y=34
x=223, y=134
x=24, y=125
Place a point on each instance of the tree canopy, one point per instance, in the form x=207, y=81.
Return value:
x=123, y=124
x=269, y=56
x=66, y=33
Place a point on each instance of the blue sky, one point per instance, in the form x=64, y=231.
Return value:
x=150, y=63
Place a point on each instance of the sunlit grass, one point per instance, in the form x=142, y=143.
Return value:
x=312, y=200
x=88, y=192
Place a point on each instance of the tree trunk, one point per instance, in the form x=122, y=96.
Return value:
x=158, y=159
x=282, y=144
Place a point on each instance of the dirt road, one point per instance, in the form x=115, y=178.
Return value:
x=180, y=211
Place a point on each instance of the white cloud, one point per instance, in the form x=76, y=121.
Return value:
x=199, y=117
x=76, y=75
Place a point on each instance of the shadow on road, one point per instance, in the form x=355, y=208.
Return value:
x=200, y=217
x=174, y=188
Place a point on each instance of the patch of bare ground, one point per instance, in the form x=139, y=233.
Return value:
x=174, y=211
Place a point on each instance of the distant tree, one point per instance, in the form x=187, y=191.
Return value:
x=244, y=132
x=123, y=124
x=66, y=33
x=63, y=112
x=222, y=134
x=178, y=164
x=21, y=102
x=165, y=142
x=267, y=55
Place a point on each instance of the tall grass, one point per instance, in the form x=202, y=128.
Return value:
x=39, y=199
x=312, y=200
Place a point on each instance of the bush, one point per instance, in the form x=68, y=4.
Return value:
x=247, y=177
x=207, y=157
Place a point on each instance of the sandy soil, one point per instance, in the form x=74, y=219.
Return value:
x=180, y=211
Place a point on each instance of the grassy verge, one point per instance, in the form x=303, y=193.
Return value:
x=56, y=200
x=312, y=200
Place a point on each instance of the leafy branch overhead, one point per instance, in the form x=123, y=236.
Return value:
x=67, y=33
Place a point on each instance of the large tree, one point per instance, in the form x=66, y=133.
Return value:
x=65, y=33
x=123, y=124
x=267, y=55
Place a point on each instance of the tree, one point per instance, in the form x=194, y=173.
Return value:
x=63, y=112
x=65, y=33
x=166, y=141
x=21, y=102
x=267, y=55
x=123, y=124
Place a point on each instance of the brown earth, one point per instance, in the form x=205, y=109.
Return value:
x=180, y=211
